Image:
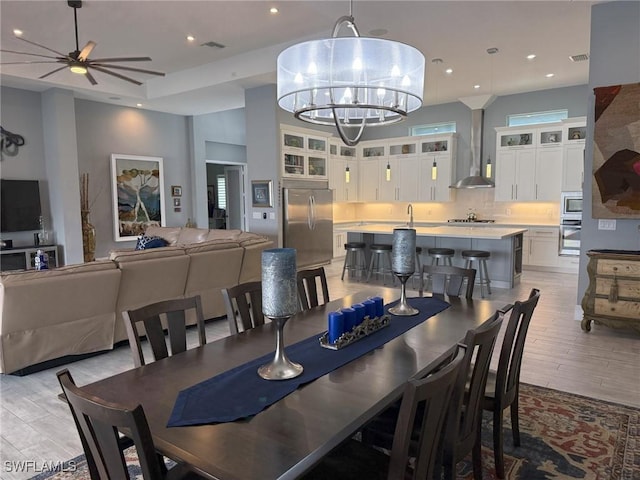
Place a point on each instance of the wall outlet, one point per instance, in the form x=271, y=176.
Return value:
x=272, y=215
x=606, y=224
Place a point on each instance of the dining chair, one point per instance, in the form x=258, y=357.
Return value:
x=150, y=317
x=503, y=385
x=424, y=402
x=448, y=280
x=308, y=287
x=98, y=423
x=244, y=306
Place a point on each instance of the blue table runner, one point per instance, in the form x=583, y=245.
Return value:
x=240, y=392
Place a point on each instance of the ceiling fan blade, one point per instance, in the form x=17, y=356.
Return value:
x=28, y=62
x=131, y=69
x=46, y=48
x=104, y=70
x=52, y=72
x=90, y=78
x=86, y=51
x=32, y=54
x=122, y=59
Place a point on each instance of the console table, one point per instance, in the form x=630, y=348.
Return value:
x=613, y=295
x=22, y=258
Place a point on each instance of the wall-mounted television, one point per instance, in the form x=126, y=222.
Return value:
x=19, y=205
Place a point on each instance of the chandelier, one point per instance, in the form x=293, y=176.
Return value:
x=350, y=82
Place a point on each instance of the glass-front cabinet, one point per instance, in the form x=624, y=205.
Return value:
x=522, y=138
x=304, y=155
x=551, y=136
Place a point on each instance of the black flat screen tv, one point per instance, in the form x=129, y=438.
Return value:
x=19, y=205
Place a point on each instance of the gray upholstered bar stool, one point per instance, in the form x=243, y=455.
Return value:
x=479, y=256
x=354, y=260
x=379, y=253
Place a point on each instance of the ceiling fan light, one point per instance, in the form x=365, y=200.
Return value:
x=78, y=68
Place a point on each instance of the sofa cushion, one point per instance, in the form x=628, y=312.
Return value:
x=170, y=234
x=27, y=275
x=220, y=234
x=145, y=242
x=210, y=246
x=121, y=256
x=192, y=235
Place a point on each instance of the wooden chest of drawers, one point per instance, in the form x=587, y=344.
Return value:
x=613, y=295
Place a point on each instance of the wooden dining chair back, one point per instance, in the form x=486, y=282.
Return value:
x=462, y=433
x=503, y=385
x=244, y=306
x=308, y=287
x=448, y=280
x=98, y=424
x=416, y=438
x=152, y=318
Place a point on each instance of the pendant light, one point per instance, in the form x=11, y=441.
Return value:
x=388, y=171
x=434, y=170
x=350, y=82
x=488, y=171
x=347, y=175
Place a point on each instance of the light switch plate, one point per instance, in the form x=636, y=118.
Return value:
x=272, y=215
x=257, y=215
x=605, y=224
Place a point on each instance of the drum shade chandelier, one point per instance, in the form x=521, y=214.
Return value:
x=350, y=82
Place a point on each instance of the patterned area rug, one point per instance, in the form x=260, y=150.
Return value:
x=563, y=436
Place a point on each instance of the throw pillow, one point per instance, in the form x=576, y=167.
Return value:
x=145, y=242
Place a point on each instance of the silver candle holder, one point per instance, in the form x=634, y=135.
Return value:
x=403, y=265
x=279, y=303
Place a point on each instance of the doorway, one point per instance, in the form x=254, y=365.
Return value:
x=226, y=195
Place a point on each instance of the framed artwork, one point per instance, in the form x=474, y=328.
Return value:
x=616, y=152
x=137, y=187
x=261, y=193
x=176, y=191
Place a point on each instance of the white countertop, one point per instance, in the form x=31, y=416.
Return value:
x=482, y=232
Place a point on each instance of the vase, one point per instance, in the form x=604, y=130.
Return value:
x=88, y=238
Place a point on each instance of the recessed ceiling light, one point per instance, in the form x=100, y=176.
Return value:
x=449, y=71
x=273, y=10
x=531, y=56
x=191, y=38
x=17, y=32
x=138, y=104
x=476, y=86
x=549, y=75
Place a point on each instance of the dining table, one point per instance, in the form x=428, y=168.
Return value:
x=289, y=437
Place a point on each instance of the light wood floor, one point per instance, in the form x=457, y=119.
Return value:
x=36, y=426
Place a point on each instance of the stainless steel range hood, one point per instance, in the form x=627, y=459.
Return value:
x=475, y=178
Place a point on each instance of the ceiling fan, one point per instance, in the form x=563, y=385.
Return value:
x=79, y=62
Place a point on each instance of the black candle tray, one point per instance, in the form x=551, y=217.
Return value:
x=366, y=328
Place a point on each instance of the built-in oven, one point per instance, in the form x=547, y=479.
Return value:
x=570, y=223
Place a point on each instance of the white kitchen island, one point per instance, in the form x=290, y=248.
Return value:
x=504, y=244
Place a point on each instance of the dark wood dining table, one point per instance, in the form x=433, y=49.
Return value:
x=292, y=435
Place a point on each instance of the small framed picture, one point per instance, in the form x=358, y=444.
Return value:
x=176, y=202
x=176, y=191
x=261, y=193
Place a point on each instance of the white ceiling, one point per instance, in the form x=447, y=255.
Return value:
x=202, y=79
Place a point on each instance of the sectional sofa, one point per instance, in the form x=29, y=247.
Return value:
x=77, y=309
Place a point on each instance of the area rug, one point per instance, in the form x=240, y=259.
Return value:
x=563, y=436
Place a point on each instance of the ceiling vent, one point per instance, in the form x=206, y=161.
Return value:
x=579, y=58
x=212, y=44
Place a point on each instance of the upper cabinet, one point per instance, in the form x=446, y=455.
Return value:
x=437, y=168
x=343, y=171
x=575, y=130
x=515, y=138
x=304, y=155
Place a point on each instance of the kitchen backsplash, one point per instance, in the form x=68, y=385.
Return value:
x=479, y=200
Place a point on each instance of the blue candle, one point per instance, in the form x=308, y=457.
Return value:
x=360, y=312
x=369, y=308
x=349, y=318
x=279, y=284
x=379, y=306
x=336, y=326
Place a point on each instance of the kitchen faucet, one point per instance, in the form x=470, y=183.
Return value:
x=410, y=212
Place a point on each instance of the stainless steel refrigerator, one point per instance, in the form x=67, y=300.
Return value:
x=308, y=225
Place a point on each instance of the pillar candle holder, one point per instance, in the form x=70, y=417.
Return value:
x=280, y=368
x=279, y=303
x=403, y=265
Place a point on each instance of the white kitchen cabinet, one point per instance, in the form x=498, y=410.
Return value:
x=548, y=173
x=402, y=182
x=541, y=247
x=575, y=131
x=304, y=155
x=441, y=151
x=339, y=239
x=341, y=157
x=515, y=175
x=368, y=179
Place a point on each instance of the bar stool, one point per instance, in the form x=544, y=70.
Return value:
x=380, y=252
x=479, y=256
x=444, y=254
x=354, y=260
x=418, y=271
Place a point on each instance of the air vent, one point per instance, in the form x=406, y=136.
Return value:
x=579, y=58
x=212, y=44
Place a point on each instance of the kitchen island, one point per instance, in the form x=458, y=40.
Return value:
x=504, y=244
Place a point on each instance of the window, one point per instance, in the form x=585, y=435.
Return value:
x=520, y=119
x=434, y=129
x=221, y=182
